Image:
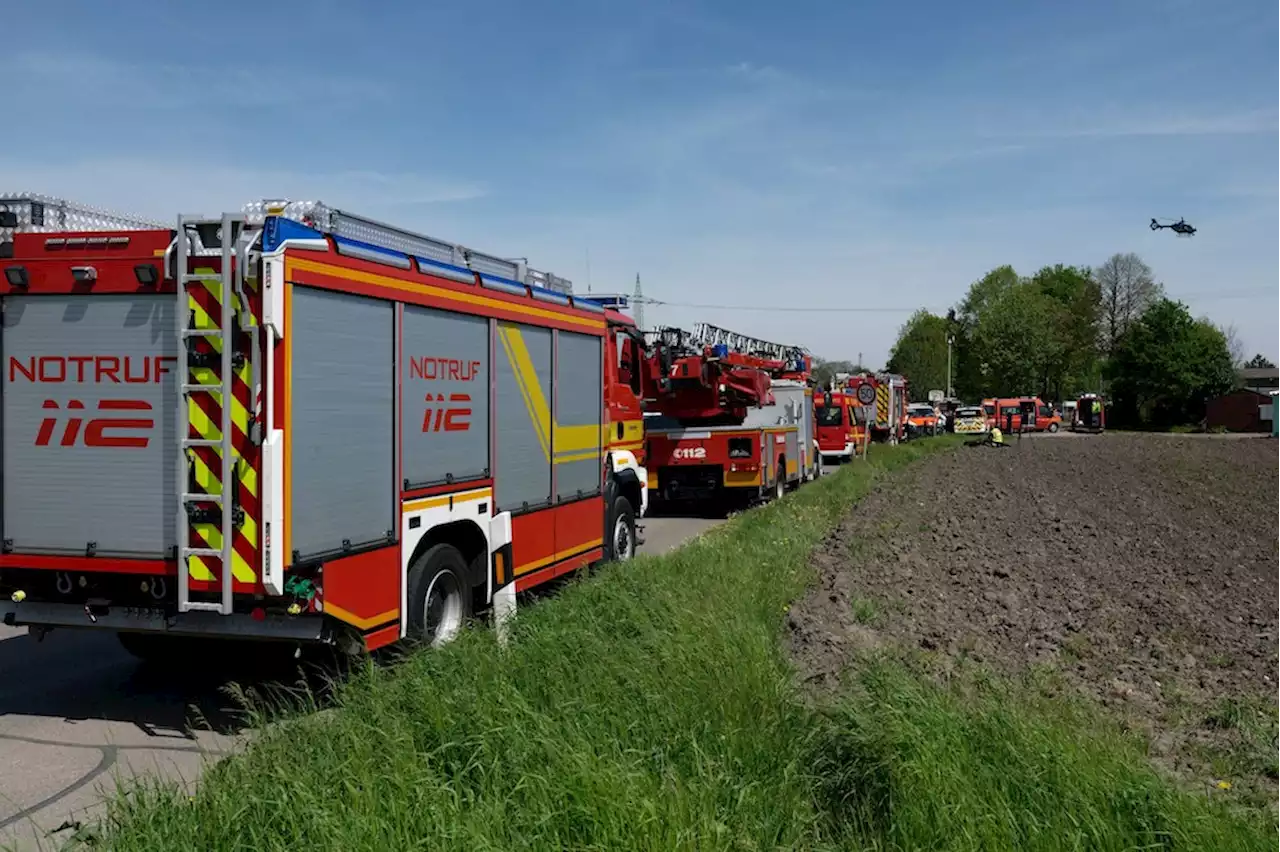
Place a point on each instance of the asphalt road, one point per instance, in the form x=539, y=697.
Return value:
x=77, y=713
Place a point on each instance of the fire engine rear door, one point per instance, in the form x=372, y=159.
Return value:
x=89, y=390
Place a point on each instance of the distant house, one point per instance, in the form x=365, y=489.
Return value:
x=1260, y=379
x=1240, y=410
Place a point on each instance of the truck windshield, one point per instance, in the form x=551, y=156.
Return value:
x=829, y=415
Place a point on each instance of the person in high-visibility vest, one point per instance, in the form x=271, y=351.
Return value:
x=995, y=436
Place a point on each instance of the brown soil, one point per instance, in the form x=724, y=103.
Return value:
x=1141, y=567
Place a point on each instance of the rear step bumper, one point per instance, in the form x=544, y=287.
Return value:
x=35, y=614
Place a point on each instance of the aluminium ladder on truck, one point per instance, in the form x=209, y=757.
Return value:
x=31, y=212
x=711, y=335
x=229, y=342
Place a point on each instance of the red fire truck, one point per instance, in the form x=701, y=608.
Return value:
x=841, y=420
x=727, y=416
x=300, y=424
x=888, y=393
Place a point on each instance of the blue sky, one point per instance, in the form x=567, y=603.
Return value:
x=829, y=156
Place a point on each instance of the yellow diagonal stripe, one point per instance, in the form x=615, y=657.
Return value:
x=239, y=568
x=568, y=443
x=527, y=382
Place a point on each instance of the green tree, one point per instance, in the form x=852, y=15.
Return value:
x=1072, y=364
x=824, y=371
x=920, y=354
x=1014, y=342
x=1259, y=362
x=972, y=375
x=1166, y=366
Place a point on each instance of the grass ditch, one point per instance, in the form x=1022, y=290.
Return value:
x=652, y=707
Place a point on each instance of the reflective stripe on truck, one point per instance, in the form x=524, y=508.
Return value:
x=204, y=412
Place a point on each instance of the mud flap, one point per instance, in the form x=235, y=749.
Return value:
x=502, y=575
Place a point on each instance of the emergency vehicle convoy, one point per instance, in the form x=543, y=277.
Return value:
x=291, y=422
x=295, y=423
x=727, y=416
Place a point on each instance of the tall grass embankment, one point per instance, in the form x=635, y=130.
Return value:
x=652, y=707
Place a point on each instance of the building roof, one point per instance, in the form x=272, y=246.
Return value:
x=1241, y=391
x=1248, y=373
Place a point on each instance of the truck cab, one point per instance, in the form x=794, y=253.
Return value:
x=841, y=427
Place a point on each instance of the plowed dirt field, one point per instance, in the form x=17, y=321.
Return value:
x=1142, y=569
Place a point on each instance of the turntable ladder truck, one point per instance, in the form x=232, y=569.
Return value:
x=295, y=423
x=728, y=417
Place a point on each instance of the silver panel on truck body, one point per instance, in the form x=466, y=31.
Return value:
x=342, y=423
x=522, y=418
x=445, y=412
x=89, y=444
x=579, y=407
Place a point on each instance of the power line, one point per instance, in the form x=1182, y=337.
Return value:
x=782, y=308
x=832, y=309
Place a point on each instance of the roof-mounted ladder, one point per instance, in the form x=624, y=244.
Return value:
x=350, y=226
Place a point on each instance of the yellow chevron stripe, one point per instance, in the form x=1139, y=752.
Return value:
x=239, y=567
x=206, y=479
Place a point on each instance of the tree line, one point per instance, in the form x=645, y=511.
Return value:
x=1067, y=330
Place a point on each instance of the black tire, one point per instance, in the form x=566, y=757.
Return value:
x=1053, y=427
x=620, y=532
x=439, y=595
x=780, y=482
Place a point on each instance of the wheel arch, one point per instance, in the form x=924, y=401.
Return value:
x=624, y=482
x=469, y=539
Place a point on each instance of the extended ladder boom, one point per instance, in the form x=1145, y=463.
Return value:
x=711, y=335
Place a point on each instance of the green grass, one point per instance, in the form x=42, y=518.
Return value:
x=652, y=707
x=984, y=763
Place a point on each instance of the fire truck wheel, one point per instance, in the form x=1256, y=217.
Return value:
x=780, y=482
x=621, y=545
x=439, y=597
x=1053, y=427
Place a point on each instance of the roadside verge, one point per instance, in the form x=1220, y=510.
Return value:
x=650, y=707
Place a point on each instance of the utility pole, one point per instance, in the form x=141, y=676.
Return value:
x=951, y=337
x=638, y=298
x=950, y=340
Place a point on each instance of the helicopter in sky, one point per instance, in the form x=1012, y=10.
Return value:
x=1180, y=227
